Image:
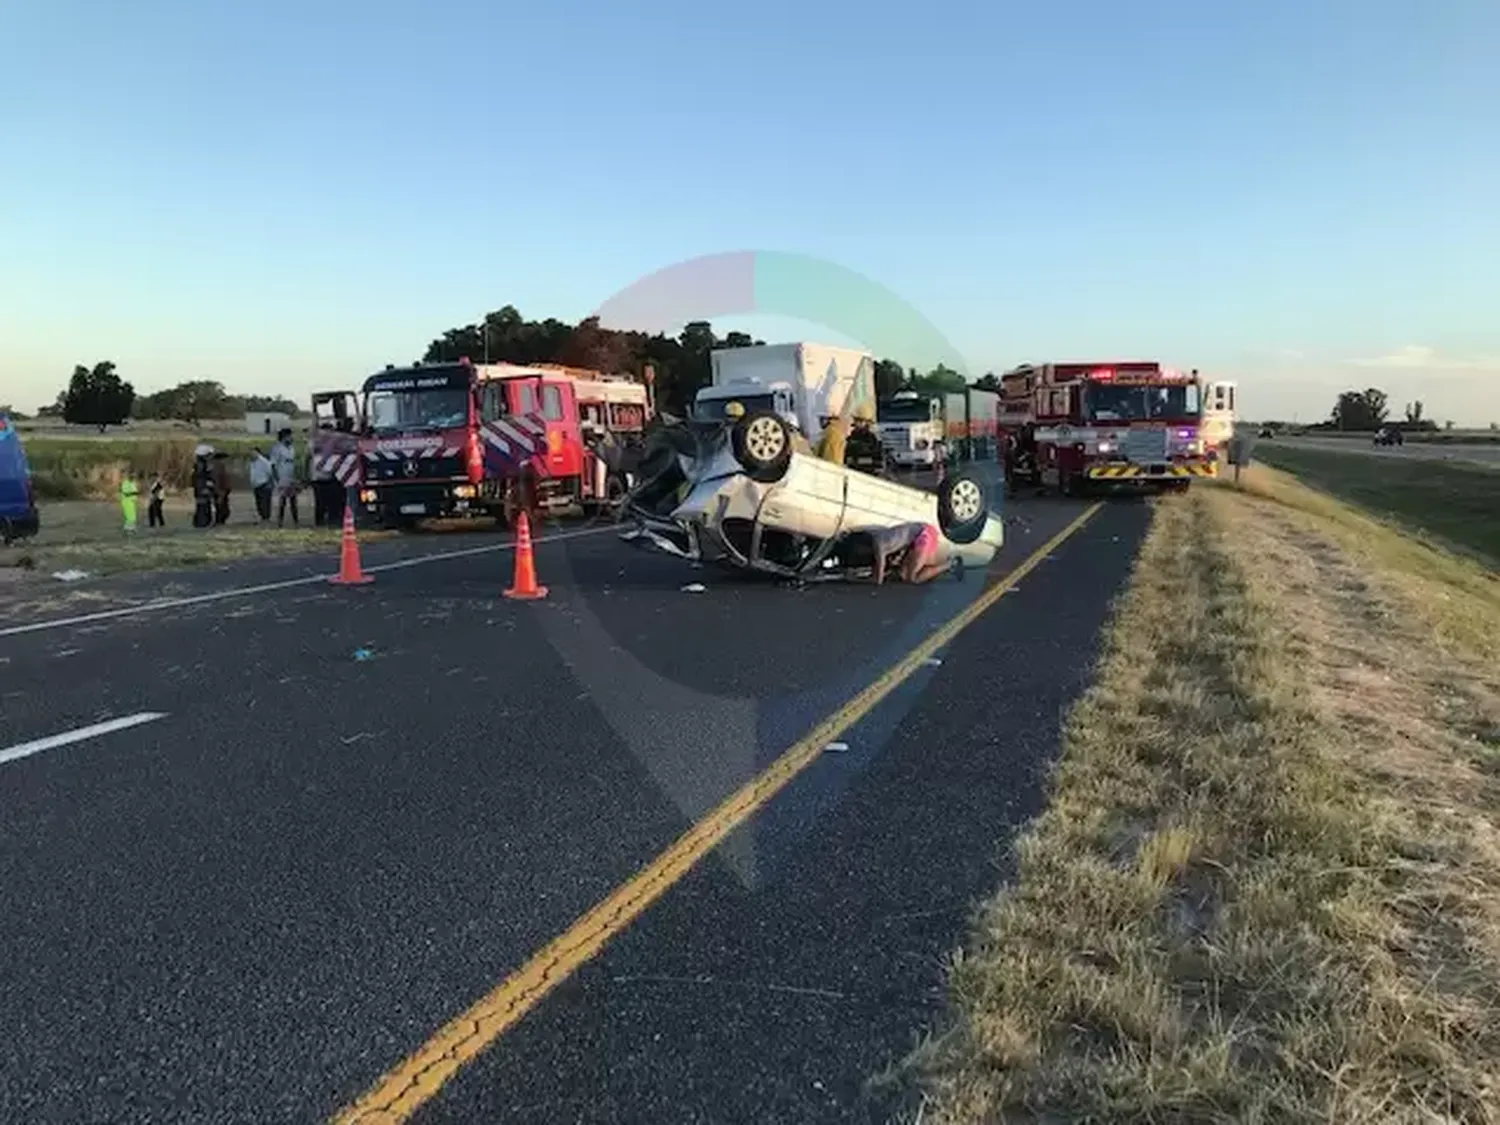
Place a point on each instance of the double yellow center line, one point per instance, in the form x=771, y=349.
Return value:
x=418, y=1078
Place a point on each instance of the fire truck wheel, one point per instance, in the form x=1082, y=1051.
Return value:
x=963, y=506
x=762, y=444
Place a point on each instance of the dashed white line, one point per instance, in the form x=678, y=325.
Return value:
x=285, y=584
x=52, y=742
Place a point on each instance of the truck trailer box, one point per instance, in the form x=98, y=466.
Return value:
x=822, y=379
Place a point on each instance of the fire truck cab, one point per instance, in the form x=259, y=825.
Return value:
x=1130, y=424
x=460, y=439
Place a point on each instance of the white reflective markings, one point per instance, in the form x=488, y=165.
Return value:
x=52, y=742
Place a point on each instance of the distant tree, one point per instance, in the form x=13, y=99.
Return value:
x=940, y=378
x=989, y=381
x=13, y=414
x=266, y=404
x=97, y=396
x=888, y=377
x=1414, y=412
x=1360, y=410
x=191, y=402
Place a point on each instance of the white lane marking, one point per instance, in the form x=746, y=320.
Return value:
x=286, y=584
x=36, y=746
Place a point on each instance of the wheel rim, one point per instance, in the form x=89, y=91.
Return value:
x=765, y=439
x=965, y=501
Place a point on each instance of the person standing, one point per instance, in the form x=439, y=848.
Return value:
x=284, y=469
x=203, y=487
x=323, y=486
x=129, y=489
x=154, y=516
x=222, y=486
x=262, y=483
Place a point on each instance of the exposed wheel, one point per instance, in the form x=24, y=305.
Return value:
x=963, y=507
x=762, y=444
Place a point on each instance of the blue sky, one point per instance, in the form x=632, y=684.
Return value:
x=285, y=196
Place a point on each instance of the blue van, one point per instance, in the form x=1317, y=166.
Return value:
x=18, y=517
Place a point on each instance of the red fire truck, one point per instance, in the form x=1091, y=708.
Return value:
x=464, y=439
x=1076, y=425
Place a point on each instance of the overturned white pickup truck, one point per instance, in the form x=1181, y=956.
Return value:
x=739, y=493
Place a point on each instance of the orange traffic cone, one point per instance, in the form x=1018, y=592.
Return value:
x=525, y=586
x=350, y=572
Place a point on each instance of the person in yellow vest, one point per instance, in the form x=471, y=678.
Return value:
x=129, y=490
x=835, y=438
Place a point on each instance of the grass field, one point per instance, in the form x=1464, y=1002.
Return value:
x=1267, y=886
x=88, y=535
x=75, y=462
x=1453, y=502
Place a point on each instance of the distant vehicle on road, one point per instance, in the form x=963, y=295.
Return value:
x=1266, y=432
x=18, y=511
x=736, y=491
x=1389, y=435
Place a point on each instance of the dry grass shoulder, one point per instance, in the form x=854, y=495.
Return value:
x=88, y=535
x=1267, y=887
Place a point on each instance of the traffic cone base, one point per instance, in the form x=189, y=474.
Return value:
x=350, y=572
x=525, y=586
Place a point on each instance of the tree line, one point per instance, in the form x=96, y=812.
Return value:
x=1370, y=409
x=99, y=396
x=680, y=364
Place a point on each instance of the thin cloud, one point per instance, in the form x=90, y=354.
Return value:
x=1416, y=357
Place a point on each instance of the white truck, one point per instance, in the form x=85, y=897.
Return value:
x=805, y=383
x=927, y=428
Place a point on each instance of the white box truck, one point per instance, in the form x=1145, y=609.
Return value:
x=806, y=383
x=927, y=428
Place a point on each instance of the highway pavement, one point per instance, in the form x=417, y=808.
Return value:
x=258, y=849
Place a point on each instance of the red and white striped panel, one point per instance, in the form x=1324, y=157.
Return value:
x=516, y=438
x=405, y=454
x=344, y=467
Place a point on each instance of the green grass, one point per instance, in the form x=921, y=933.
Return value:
x=1455, y=503
x=76, y=466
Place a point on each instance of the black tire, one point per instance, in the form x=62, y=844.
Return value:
x=963, y=506
x=762, y=443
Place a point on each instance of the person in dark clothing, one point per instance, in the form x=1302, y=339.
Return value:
x=222, y=487
x=158, y=494
x=203, y=488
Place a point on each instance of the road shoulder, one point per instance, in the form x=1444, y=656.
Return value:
x=1265, y=883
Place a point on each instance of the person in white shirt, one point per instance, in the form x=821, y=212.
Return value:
x=284, y=473
x=262, y=483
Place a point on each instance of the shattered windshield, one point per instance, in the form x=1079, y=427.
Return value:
x=429, y=409
x=1118, y=403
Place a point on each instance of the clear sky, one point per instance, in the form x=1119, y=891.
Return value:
x=287, y=195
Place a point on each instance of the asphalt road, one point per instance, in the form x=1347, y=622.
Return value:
x=345, y=814
x=1478, y=454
